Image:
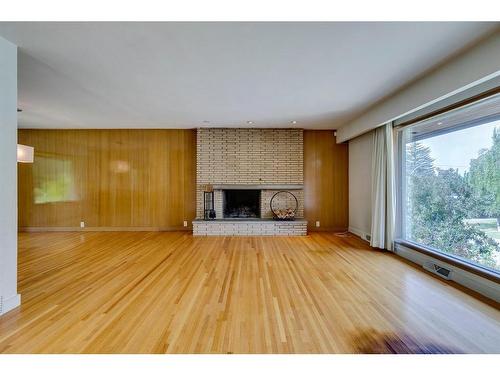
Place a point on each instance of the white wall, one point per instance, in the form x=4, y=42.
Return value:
x=473, y=67
x=360, y=173
x=8, y=170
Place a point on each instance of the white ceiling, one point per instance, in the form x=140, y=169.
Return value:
x=179, y=75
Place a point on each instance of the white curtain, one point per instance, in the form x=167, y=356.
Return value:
x=383, y=188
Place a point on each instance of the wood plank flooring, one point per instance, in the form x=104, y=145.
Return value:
x=170, y=292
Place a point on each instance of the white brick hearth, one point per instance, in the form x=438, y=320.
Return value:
x=249, y=228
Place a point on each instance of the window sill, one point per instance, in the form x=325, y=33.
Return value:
x=454, y=261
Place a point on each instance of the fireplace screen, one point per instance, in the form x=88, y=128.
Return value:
x=241, y=204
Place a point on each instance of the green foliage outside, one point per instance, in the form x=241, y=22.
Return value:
x=443, y=207
x=54, y=180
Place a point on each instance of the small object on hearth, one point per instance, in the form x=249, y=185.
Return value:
x=284, y=205
x=208, y=205
x=209, y=188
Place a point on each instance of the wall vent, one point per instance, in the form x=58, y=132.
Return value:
x=445, y=273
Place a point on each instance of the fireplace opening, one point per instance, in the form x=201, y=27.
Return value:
x=241, y=204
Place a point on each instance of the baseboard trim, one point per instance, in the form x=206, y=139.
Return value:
x=105, y=229
x=9, y=303
x=358, y=232
x=326, y=229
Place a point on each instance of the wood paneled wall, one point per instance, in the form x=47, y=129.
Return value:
x=325, y=181
x=146, y=179
x=131, y=179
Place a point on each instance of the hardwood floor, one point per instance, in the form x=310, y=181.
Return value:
x=169, y=292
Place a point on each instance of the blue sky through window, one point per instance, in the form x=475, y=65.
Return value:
x=456, y=149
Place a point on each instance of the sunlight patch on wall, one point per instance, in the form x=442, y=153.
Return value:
x=53, y=180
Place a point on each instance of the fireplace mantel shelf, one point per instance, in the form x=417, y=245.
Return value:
x=259, y=187
x=249, y=220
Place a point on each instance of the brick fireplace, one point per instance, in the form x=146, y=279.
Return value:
x=238, y=161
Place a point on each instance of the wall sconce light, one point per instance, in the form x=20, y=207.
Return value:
x=25, y=154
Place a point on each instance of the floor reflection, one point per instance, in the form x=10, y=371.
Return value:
x=375, y=342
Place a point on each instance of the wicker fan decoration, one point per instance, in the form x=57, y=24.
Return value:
x=284, y=205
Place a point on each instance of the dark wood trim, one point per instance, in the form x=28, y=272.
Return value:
x=105, y=229
x=327, y=229
x=450, y=107
x=480, y=271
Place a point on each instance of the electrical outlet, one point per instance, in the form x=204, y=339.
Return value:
x=82, y=224
x=317, y=224
x=185, y=223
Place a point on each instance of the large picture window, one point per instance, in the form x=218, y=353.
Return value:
x=450, y=183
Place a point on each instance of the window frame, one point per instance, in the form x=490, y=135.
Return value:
x=400, y=175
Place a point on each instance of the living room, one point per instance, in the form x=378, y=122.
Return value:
x=250, y=187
